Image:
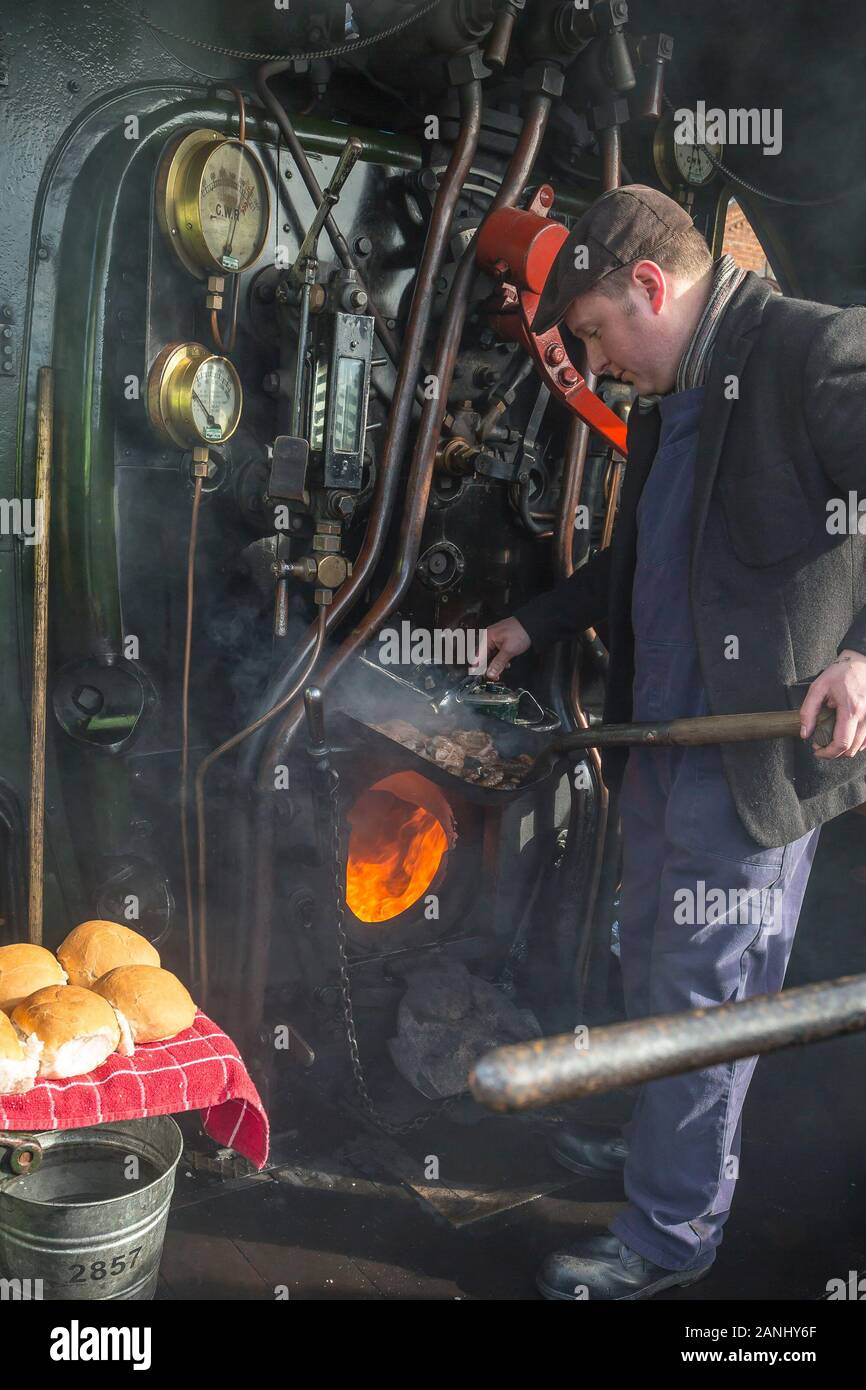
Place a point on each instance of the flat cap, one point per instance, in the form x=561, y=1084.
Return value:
x=627, y=224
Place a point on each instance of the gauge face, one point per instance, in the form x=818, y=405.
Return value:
x=233, y=206
x=193, y=397
x=681, y=158
x=694, y=163
x=213, y=203
x=215, y=399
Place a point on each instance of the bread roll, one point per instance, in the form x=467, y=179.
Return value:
x=77, y=1028
x=25, y=968
x=93, y=948
x=152, y=1001
x=19, y=1061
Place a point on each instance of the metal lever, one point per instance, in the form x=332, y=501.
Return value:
x=345, y=164
x=314, y=709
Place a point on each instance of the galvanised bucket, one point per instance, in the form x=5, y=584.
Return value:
x=89, y=1222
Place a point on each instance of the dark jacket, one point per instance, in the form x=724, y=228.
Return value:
x=765, y=566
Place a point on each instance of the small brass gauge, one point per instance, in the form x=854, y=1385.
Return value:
x=193, y=397
x=683, y=162
x=213, y=203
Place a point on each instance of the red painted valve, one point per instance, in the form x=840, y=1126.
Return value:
x=517, y=247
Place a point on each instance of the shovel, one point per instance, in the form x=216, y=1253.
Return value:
x=685, y=733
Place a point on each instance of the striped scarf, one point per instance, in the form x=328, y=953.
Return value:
x=692, y=371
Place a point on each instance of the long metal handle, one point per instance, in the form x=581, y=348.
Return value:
x=349, y=155
x=44, y=444
x=702, y=729
x=589, y=1062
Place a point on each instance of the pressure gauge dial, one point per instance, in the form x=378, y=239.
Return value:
x=680, y=157
x=213, y=203
x=193, y=397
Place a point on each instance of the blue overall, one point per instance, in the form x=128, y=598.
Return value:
x=706, y=914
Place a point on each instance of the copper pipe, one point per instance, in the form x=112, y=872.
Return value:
x=421, y=472
x=573, y=471
x=204, y=767
x=612, y=502
x=44, y=446
x=184, y=721
x=399, y=420
x=573, y=466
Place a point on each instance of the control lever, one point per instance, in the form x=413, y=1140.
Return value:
x=345, y=164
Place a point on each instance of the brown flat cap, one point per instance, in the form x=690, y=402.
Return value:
x=626, y=225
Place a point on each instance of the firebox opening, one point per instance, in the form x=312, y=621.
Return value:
x=397, y=843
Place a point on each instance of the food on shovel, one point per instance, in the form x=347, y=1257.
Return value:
x=467, y=753
x=93, y=948
x=25, y=968
x=152, y=1001
x=77, y=1028
x=19, y=1060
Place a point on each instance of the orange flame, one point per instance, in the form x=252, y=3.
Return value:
x=395, y=850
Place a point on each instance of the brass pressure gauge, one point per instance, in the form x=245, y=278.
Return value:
x=213, y=203
x=682, y=156
x=193, y=397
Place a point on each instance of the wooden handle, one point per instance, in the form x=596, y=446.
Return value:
x=741, y=728
x=702, y=729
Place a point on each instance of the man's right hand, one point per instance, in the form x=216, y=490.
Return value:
x=507, y=640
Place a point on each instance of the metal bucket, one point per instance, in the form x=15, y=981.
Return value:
x=89, y=1222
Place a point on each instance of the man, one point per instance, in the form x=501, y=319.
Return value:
x=730, y=586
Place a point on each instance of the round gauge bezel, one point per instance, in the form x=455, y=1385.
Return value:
x=169, y=394
x=179, y=201
x=665, y=160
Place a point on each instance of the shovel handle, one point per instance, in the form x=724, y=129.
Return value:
x=703, y=729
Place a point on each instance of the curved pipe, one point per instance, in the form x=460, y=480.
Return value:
x=418, y=488
x=388, y=473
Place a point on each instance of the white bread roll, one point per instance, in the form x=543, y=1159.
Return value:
x=25, y=968
x=19, y=1061
x=77, y=1028
x=93, y=948
x=152, y=1001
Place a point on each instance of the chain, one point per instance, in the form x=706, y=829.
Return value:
x=361, y=1087
x=350, y=47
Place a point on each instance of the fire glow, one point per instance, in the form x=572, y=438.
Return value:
x=395, y=849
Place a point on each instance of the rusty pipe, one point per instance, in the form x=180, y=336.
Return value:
x=399, y=420
x=421, y=472
x=573, y=466
x=591, y=1061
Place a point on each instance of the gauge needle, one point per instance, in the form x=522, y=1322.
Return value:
x=210, y=418
x=237, y=216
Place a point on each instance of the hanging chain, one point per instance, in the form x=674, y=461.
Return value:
x=350, y=46
x=361, y=1087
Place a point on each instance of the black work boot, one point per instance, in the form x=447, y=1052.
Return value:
x=602, y=1268
x=590, y=1149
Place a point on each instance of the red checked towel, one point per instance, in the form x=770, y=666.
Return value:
x=199, y=1069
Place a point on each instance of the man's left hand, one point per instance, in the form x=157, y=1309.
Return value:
x=842, y=686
